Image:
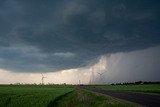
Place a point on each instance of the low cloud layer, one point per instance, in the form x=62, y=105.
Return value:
x=45, y=36
x=141, y=65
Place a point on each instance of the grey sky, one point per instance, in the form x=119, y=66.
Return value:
x=52, y=35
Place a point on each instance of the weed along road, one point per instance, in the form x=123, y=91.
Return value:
x=142, y=99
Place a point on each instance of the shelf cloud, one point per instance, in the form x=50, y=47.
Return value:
x=49, y=36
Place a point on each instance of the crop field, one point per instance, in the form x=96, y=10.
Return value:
x=29, y=96
x=54, y=96
x=145, y=88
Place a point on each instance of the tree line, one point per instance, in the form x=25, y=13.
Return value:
x=137, y=82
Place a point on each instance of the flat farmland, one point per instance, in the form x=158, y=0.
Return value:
x=29, y=95
x=55, y=96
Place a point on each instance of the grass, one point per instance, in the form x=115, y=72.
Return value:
x=25, y=96
x=145, y=88
x=56, y=96
x=84, y=98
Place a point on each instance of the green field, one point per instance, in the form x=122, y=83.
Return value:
x=146, y=88
x=54, y=96
x=37, y=96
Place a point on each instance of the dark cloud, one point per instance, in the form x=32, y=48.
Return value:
x=54, y=35
x=133, y=66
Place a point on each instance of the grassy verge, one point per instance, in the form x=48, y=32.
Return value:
x=84, y=98
x=144, y=88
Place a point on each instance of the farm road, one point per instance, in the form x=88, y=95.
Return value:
x=146, y=100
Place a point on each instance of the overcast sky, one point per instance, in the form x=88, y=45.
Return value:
x=66, y=38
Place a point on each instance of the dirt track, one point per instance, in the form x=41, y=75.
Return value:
x=142, y=99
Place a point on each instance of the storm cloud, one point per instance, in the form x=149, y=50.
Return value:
x=45, y=36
